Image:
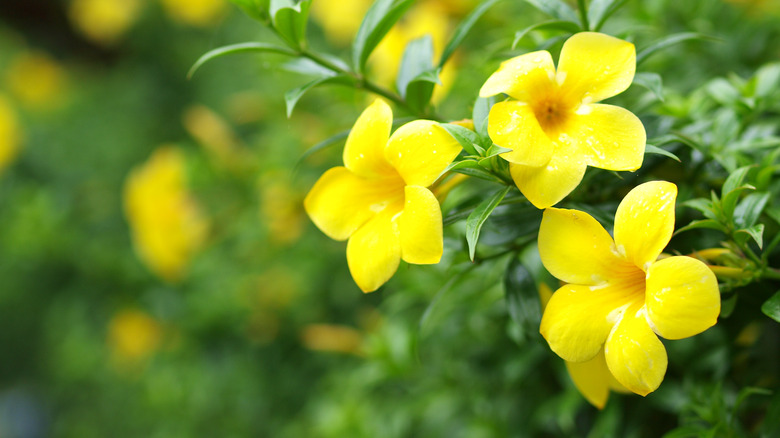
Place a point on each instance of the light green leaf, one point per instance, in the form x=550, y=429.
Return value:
x=463, y=29
x=478, y=217
x=771, y=307
x=767, y=80
x=257, y=9
x=379, y=19
x=289, y=19
x=756, y=232
x=480, y=114
x=704, y=223
x=651, y=149
x=464, y=136
x=747, y=212
x=238, y=48
x=556, y=8
x=566, y=26
x=667, y=42
x=651, y=81
x=291, y=97
x=735, y=179
x=600, y=10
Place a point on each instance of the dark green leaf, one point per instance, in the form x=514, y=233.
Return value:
x=651, y=149
x=774, y=213
x=479, y=216
x=651, y=81
x=728, y=305
x=704, y=223
x=291, y=97
x=379, y=19
x=238, y=48
x=756, y=232
x=703, y=205
x=522, y=297
x=478, y=172
x=289, y=18
x=666, y=42
x=566, y=26
x=600, y=10
x=463, y=29
x=771, y=307
x=464, y=136
x=556, y=8
x=747, y=212
x=729, y=201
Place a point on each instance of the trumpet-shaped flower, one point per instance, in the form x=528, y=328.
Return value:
x=554, y=126
x=620, y=298
x=166, y=223
x=380, y=199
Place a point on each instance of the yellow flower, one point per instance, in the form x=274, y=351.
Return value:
x=10, y=133
x=202, y=13
x=340, y=19
x=554, y=127
x=593, y=379
x=620, y=296
x=133, y=336
x=104, y=21
x=166, y=223
x=36, y=79
x=380, y=199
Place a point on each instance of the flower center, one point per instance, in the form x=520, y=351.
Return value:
x=552, y=113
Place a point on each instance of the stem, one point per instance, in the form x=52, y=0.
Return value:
x=771, y=273
x=583, y=15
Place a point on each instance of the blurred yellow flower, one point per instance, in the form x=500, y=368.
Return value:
x=104, y=21
x=340, y=19
x=201, y=13
x=380, y=199
x=280, y=207
x=620, y=296
x=10, y=133
x=166, y=223
x=133, y=336
x=36, y=79
x=216, y=136
x=332, y=338
x=554, y=127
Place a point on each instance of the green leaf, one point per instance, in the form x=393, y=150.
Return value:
x=728, y=305
x=747, y=212
x=330, y=141
x=291, y=97
x=379, y=19
x=417, y=76
x=651, y=81
x=480, y=114
x=735, y=179
x=238, y=48
x=774, y=213
x=463, y=29
x=771, y=307
x=756, y=232
x=477, y=172
x=666, y=42
x=522, y=297
x=464, y=136
x=289, y=18
x=767, y=80
x=651, y=149
x=600, y=10
x=257, y=9
x=556, y=8
x=703, y=205
x=703, y=223
x=494, y=150
x=478, y=217
x=566, y=26
x=722, y=91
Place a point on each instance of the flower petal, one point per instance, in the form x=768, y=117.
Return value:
x=575, y=322
x=592, y=378
x=374, y=252
x=420, y=151
x=609, y=137
x=421, y=227
x=340, y=201
x=575, y=248
x=513, y=125
x=594, y=66
x=644, y=222
x=635, y=355
x=364, y=151
x=522, y=77
x=545, y=186
x=682, y=297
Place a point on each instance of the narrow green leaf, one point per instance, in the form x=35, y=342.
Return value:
x=478, y=172
x=464, y=136
x=703, y=205
x=463, y=29
x=566, y=26
x=465, y=164
x=756, y=232
x=600, y=10
x=291, y=97
x=330, y=141
x=651, y=81
x=556, y=8
x=749, y=209
x=379, y=19
x=704, y=223
x=238, y=48
x=666, y=42
x=478, y=217
x=651, y=149
x=771, y=307
x=306, y=66
x=480, y=114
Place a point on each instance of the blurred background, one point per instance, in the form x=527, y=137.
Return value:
x=158, y=276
